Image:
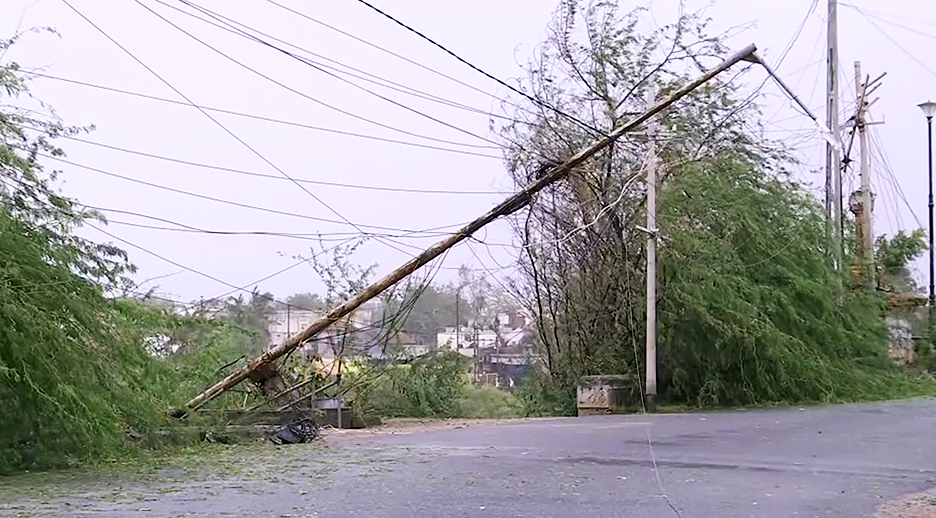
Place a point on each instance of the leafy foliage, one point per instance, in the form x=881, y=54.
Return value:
x=893, y=255
x=747, y=304
x=434, y=386
x=748, y=310
x=430, y=387
x=79, y=368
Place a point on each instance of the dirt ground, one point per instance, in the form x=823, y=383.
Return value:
x=917, y=505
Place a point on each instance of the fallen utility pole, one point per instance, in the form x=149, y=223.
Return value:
x=509, y=206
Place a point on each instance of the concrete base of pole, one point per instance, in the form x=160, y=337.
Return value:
x=651, y=403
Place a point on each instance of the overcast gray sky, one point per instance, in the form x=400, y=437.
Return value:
x=496, y=35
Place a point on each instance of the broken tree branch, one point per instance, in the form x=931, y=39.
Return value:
x=282, y=393
x=307, y=396
x=505, y=208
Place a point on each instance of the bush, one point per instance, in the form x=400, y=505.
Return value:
x=436, y=387
x=488, y=403
x=540, y=395
x=429, y=387
x=67, y=400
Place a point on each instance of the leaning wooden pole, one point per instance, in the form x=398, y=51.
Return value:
x=507, y=207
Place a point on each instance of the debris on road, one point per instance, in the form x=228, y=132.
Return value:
x=300, y=431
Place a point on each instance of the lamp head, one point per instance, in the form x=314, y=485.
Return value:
x=929, y=109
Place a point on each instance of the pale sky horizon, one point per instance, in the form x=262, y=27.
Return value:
x=495, y=36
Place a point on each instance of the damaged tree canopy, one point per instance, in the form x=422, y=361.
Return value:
x=507, y=207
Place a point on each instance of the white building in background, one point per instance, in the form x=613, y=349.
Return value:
x=284, y=323
x=467, y=341
x=449, y=339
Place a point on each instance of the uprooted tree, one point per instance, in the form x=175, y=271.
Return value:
x=747, y=305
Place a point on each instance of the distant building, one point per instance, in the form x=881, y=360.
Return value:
x=402, y=344
x=287, y=322
x=449, y=339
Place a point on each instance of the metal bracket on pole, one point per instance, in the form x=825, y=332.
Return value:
x=651, y=231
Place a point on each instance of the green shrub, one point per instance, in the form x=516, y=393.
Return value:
x=488, y=403
x=432, y=387
x=429, y=387
x=540, y=395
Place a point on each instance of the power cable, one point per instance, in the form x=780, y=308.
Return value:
x=878, y=147
x=304, y=237
x=793, y=40
x=271, y=176
x=266, y=119
x=174, y=263
x=208, y=115
x=385, y=241
x=220, y=200
x=892, y=40
x=306, y=96
x=371, y=78
x=482, y=72
x=390, y=52
x=314, y=65
x=868, y=13
x=314, y=236
x=208, y=276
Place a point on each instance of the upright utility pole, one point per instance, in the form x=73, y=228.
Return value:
x=833, y=157
x=457, y=321
x=866, y=234
x=651, y=362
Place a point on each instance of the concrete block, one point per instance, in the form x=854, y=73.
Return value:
x=598, y=395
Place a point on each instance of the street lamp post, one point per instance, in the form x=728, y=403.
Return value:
x=929, y=109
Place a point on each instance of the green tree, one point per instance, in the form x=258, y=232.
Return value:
x=307, y=301
x=747, y=306
x=79, y=365
x=69, y=378
x=252, y=314
x=894, y=255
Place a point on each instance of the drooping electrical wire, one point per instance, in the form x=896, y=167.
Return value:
x=317, y=67
x=307, y=96
x=391, y=53
x=489, y=76
x=235, y=288
x=205, y=113
x=271, y=176
x=895, y=42
x=337, y=66
x=226, y=202
x=182, y=227
x=266, y=119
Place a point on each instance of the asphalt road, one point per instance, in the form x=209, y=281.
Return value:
x=841, y=461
